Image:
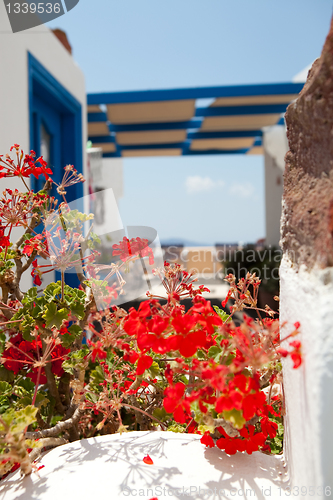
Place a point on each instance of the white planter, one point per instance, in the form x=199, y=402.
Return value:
x=111, y=467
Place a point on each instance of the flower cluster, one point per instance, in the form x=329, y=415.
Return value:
x=70, y=178
x=27, y=357
x=24, y=166
x=18, y=209
x=133, y=247
x=74, y=365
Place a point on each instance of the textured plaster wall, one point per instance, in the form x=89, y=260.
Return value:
x=308, y=297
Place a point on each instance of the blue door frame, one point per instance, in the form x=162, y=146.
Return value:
x=53, y=106
x=51, y=102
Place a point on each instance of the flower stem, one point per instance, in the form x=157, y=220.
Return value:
x=37, y=385
x=145, y=413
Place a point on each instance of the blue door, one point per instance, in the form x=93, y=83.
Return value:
x=55, y=132
x=47, y=141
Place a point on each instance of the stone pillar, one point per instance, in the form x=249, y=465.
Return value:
x=307, y=278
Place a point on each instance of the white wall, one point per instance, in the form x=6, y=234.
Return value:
x=112, y=173
x=307, y=297
x=105, y=173
x=46, y=48
x=14, y=96
x=275, y=146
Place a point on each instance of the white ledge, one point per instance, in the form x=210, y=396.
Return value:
x=111, y=467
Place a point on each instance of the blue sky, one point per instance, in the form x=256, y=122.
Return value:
x=133, y=45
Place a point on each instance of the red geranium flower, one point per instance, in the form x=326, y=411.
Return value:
x=207, y=440
x=144, y=363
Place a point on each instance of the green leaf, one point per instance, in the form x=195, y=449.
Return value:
x=5, y=389
x=30, y=296
x=93, y=241
x=95, y=237
x=27, y=326
x=41, y=400
x=55, y=420
x=37, y=309
x=68, y=338
x=2, y=342
x=4, y=404
x=5, y=266
x=11, y=254
x=20, y=419
x=77, y=309
x=23, y=418
x=25, y=383
x=160, y=414
x=92, y=397
x=52, y=290
x=6, y=375
x=177, y=428
x=30, y=443
x=225, y=317
x=154, y=370
x=75, y=300
x=215, y=352
x=75, y=359
x=97, y=376
x=204, y=428
x=75, y=330
x=49, y=409
x=54, y=317
x=7, y=418
x=235, y=417
x=227, y=360
x=184, y=379
x=197, y=413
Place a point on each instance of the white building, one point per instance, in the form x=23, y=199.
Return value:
x=42, y=102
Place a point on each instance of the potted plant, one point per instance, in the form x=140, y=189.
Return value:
x=74, y=366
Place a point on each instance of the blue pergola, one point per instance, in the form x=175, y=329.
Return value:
x=182, y=122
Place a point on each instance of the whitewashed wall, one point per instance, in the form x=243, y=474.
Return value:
x=307, y=297
x=14, y=94
x=112, y=172
x=275, y=146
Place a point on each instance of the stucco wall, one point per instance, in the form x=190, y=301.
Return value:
x=307, y=297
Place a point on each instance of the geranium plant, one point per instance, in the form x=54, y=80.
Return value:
x=73, y=365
